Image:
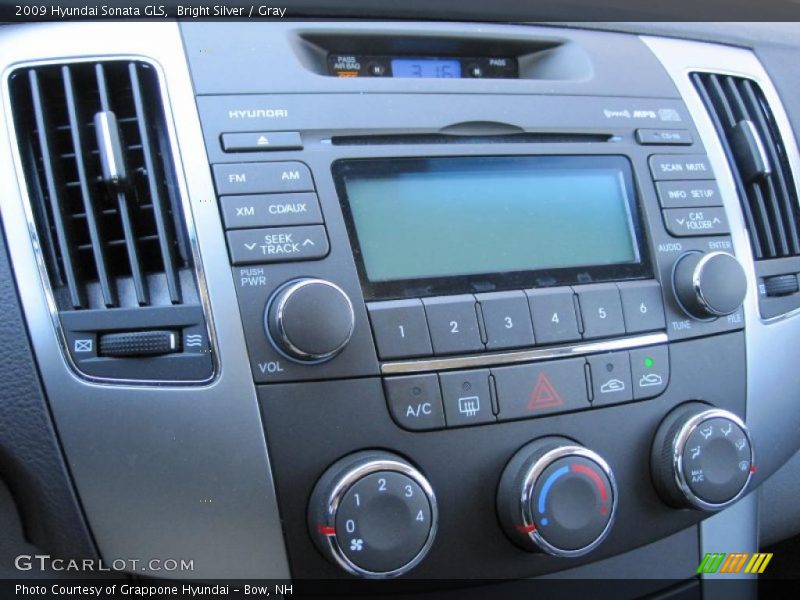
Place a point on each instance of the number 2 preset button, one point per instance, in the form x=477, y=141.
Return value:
x=453, y=323
x=400, y=329
x=507, y=319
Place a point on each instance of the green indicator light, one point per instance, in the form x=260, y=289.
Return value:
x=649, y=362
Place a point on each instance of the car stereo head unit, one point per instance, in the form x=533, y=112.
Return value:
x=476, y=298
x=425, y=226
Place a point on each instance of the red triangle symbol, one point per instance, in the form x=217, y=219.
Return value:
x=544, y=394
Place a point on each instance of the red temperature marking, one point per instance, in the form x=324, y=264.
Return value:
x=326, y=530
x=579, y=468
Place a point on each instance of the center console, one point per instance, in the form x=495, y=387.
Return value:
x=496, y=331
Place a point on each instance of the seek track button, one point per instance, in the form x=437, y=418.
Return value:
x=278, y=244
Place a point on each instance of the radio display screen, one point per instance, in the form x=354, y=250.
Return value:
x=423, y=221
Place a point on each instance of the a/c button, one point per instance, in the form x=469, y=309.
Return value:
x=415, y=401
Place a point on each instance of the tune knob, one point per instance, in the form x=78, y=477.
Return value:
x=373, y=514
x=309, y=320
x=709, y=285
x=702, y=457
x=557, y=497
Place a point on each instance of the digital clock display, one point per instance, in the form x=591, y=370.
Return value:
x=431, y=68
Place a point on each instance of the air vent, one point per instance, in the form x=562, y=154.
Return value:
x=95, y=150
x=761, y=169
x=93, y=141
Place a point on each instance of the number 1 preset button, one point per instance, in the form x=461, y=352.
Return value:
x=400, y=329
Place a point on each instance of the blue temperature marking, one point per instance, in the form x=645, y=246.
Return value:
x=544, y=521
x=548, y=484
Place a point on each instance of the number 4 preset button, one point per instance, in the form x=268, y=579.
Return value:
x=553, y=314
x=400, y=329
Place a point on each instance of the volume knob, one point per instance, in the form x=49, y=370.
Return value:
x=709, y=285
x=309, y=320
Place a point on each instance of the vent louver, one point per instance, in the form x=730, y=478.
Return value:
x=95, y=151
x=759, y=163
x=102, y=187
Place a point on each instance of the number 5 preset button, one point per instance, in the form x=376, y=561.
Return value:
x=453, y=323
x=400, y=329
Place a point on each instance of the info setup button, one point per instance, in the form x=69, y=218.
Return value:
x=278, y=244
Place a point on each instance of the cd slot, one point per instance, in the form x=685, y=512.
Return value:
x=442, y=138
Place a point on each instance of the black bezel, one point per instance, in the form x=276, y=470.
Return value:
x=489, y=282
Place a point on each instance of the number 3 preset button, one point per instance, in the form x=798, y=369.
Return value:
x=507, y=319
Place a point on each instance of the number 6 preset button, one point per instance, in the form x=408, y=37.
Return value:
x=400, y=329
x=453, y=323
x=507, y=320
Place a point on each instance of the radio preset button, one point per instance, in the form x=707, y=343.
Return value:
x=601, y=310
x=540, y=389
x=507, y=319
x=415, y=401
x=611, y=378
x=277, y=244
x=270, y=210
x=400, y=329
x=466, y=396
x=649, y=371
x=642, y=306
x=680, y=166
x=453, y=323
x=689, y=222
x=664, y=137
x=553, y=315
x=262, y=178
x=688, y=194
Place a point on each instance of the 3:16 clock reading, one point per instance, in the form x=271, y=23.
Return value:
x=432, y=68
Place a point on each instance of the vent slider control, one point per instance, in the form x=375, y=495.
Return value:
x=139, y=343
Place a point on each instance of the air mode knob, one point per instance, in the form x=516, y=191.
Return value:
x=558, y=497
x=373, y=514
x=702, y=457
x=309, y=320
x=709, y=285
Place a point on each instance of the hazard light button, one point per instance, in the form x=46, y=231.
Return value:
x=540, y=389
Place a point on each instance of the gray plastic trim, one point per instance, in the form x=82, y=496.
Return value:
x=773, y=414
x=160, y=471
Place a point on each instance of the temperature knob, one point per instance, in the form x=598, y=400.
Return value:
x=702, y=457
x=309, y=320
x=373, y=514
x=557, y=497
x=709, y=285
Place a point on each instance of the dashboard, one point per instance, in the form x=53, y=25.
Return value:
x=333, y=300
